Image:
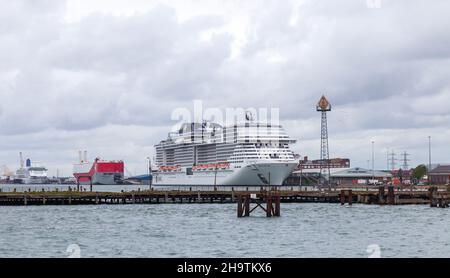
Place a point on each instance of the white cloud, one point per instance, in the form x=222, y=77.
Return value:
x=105, y=75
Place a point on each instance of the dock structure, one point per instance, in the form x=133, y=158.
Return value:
x=268, y=200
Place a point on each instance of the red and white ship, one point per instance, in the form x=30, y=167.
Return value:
x=100, y=172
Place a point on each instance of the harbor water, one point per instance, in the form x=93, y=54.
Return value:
x=213, y=230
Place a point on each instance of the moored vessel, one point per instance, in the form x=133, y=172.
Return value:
x=31, y=174
x=241, y=154
x=100, y=172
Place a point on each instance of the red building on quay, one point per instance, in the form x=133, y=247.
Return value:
x=440, y=175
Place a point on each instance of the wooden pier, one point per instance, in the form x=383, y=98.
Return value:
x=111, y=198
x=433, y=196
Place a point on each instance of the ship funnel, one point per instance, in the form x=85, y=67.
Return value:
x=28, y=164
x=85, y=155
x=80, y=159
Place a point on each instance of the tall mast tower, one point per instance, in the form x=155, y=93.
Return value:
x=393, y=160
x=387, y=160
x=324, y=106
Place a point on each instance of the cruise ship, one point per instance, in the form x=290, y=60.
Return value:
x=29, y=174
x=241, y=154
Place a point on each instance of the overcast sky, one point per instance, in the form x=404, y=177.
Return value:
x=105, y=75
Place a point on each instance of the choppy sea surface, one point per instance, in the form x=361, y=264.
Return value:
x=213, y=230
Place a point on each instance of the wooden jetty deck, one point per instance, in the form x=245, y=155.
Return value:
x=433, y=196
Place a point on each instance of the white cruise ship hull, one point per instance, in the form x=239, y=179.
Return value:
x=35, y=180
x=249, y=174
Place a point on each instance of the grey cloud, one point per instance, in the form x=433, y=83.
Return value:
x=383, y=69
x=82, y=79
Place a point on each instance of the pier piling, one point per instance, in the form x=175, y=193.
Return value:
x=432, y=195
x=391, y=196
x=247, y=205
x=381, y=195
x=243, y=203
x=269, y=209
x=346, y=196
x=277, y=206
x=239, y=206
x=342, y=197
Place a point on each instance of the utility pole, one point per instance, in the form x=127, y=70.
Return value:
x=373, y=160
x=429, y=153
